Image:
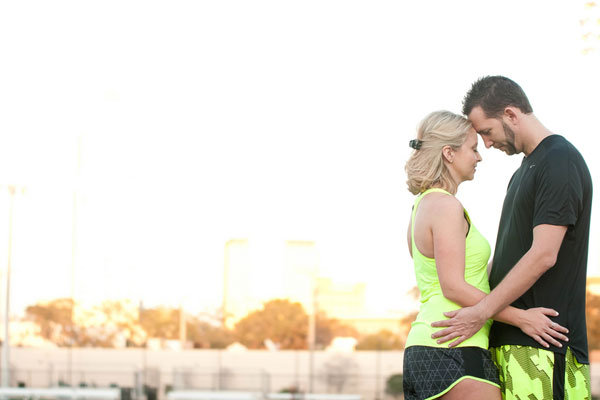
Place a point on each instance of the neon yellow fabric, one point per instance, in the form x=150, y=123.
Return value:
x=525, y=372
x=528, y=372
x=433, y=302
x=578, y=384
x=456, y=382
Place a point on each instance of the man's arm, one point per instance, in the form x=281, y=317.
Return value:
x=542, y=255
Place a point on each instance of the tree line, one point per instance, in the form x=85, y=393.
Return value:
x=282, y=322
x=118, y=323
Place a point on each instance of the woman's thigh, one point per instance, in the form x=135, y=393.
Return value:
x=471, y=389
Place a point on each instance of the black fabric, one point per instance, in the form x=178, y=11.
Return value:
x=552, y=186
x=558, y=377
x=428, y=371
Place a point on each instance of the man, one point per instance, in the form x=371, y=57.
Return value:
x=540, y=258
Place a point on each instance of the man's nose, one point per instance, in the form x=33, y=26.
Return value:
x=488, y=143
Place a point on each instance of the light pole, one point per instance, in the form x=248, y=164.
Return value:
x=312, y=334
x=74, y=262
x=6, y=343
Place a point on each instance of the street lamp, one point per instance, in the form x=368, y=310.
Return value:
x=6, y=343
x=312, y=334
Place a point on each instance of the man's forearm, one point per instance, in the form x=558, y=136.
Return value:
x=523, y=275
x=470, y=296
x=509, y=315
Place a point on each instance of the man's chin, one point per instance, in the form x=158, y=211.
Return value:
x=507, y=150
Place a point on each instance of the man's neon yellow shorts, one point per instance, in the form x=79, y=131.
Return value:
x=529, y=373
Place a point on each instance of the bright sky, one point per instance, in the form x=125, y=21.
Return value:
x=269, y=120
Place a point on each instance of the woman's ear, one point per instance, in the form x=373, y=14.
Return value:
x=448, y=153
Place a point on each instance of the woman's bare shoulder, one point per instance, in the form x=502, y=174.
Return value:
x=441, y=203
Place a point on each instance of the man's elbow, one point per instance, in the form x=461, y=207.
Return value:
x=547, y=240
x=547, y=260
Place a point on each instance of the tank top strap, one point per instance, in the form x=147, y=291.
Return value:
x=420, y=197
x=414, y=212
x=430, y=190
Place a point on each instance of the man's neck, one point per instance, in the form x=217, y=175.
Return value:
x=532, y=134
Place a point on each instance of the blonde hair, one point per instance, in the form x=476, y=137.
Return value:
x=426, y=166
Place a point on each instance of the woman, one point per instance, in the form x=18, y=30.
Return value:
x=450, y=260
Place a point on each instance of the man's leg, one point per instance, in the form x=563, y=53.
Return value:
x=578, y=382
x=537, y=374
x=525, y=372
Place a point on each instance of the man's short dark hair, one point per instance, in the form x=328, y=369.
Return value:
x=493, y=94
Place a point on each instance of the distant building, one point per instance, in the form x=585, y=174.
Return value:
x=340, y=300
x=238, y=298
x=300, y=269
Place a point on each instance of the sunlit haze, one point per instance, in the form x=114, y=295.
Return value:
x=142, y=136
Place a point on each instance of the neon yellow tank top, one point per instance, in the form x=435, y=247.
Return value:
x=433, y=302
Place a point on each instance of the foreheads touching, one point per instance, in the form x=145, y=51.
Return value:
x=494, y=106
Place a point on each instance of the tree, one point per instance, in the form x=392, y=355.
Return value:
x=382, y=340
x=67, y=323
x=393, y=385
x=405, y=325
x=207, y=336
x=161, y=322
x=114, y=323
x=55, y=320
x=590, y=25
x=387, y=340
x=286, y=324
x=125, y=316
x=592, y=311
x=282, y=321
x=329, y=328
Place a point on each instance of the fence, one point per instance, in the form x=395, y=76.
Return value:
x=151, y=375
x=229, y=379
x=60, y=393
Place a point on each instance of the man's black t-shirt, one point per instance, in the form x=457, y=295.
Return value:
x=553, y=186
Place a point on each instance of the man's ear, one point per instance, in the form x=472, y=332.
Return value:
x=448, y=153
x=512, y=114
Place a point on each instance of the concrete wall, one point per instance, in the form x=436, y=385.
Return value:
x=363, y=372
x=359, y=372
